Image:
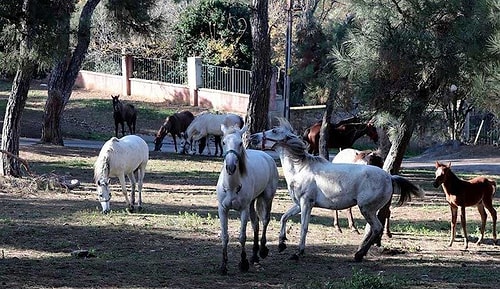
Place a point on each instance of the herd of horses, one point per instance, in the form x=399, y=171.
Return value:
x=248, y=178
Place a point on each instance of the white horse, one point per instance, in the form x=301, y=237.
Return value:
x=205, y=124
x=315, y=182
x=366, y=157
x=247, y=183
x=119, y=158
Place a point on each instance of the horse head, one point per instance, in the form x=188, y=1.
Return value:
x=269, y=139
x=160, y=135
x=441, y=174
x=117, y=105
x=235, y=154
x=103, y=194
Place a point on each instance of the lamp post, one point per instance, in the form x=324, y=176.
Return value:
x=288, y=60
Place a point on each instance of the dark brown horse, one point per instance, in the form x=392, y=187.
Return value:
x=124, y=113
x=175, y=125
x=478, y=192
x=340, y=135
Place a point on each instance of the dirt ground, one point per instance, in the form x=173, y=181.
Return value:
x=175, y=242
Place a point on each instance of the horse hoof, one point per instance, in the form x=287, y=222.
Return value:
x=139, y=209
x=281, y=247
x=388, y=234
x=244, y=265
x=130, y=210
x=264, y=251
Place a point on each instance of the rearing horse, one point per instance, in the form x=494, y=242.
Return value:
x=340, y=135
x=247, y=183
x=478, y=191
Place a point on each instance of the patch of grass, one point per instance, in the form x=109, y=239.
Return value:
x=362, y=280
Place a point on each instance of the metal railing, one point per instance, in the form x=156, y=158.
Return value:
x=162, y=70
x=226, y=79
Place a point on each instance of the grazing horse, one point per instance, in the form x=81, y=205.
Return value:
x=247, y=183
x=315, y=182
x=478, y=191
x=205, y=124
x=340, y=135
x=124, y=113
x=127, y=156
x=175, y=125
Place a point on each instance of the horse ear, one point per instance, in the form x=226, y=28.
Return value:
x=244, y=129
x=449, y=164
x=437, y=164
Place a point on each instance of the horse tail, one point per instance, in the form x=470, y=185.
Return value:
x=406, y=189
x=493, y=186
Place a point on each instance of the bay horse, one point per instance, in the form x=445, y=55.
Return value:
x=127, y=156
x=124, y=113
x=247, y=183
x=478, y=192
x=340, y=135
x=205, y=124
x=315, y=182
x=175, y=125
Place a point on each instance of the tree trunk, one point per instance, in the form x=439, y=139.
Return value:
x=64, y=74
x=17, y=99
x=258, y=103
x=412, y=116
x=323, y=134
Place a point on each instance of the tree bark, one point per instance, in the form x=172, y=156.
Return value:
x=17, y=100
x=258, y=104
x=323, y=134
x=412, y=116
x=64, y=74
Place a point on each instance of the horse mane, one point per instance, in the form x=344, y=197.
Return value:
x=101, y=166
x=297, y=147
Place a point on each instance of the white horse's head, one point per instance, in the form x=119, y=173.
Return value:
x=267, y=140
x=234, y=156
x=104, y=194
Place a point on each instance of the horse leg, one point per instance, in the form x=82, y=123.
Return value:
x=384, y=215
x=116, y=129
x=454, y=211
x=464, y=227
x=141, y=171
x=489, y=206
x=124, y=191
x=244, y=216
x=132, y=180
x=482, y=213
x=224, y=238
x=255, y=226
x=294, y=210
x=175, y=142
x=373, y=230
x=123, y=128
x=306, y=206
x=350, y=220
x=336, y=221
x=264, y=205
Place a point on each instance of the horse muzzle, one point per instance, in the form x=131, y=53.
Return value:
x=105, y=207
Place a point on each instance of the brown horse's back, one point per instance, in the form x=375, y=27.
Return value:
x=476, y=190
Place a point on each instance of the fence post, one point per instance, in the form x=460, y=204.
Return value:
x=194, y=79
x=126, y=72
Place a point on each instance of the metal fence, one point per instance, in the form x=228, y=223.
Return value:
x=162, y=70
x=226, y=79
x=484, y=129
